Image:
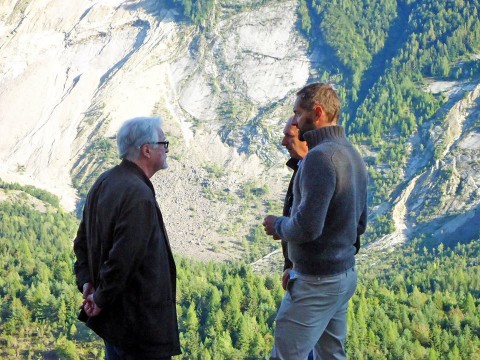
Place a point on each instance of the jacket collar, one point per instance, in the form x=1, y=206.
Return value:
x=292, y=163
x=132, y=167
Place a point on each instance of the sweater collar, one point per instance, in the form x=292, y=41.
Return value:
x=315, y=137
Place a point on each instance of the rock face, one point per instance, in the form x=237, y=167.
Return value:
x=440, y=197
x=71, y=72
x=446, y=201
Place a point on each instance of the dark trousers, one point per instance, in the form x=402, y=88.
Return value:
x=115, y=353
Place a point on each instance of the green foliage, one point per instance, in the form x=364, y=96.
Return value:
x=355, y=31
x=66, y=349
x=420, y=303
x=424, y=304
x=384, y=225
x=415, y=303
x=225, y=311
x=252, y=190
x=257, y=244
x=214, y=170
x=305, y=21
x=198, y=11
x=39, y=298
x=40, y=194
x=379, y=54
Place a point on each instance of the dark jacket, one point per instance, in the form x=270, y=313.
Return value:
x=329, y=211
x=287, y=207
x=122, y=248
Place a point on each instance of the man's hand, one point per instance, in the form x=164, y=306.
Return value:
x=90, y=307
x=268, y=224
x=88, y=289
x=285, y=278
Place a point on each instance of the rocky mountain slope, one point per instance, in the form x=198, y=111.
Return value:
x=70, y=75
x=440, y=197
x=71, y=72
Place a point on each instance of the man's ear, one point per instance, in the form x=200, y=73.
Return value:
x=145, y=151
x=319, y=111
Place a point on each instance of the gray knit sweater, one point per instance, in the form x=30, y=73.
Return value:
x=329, y=211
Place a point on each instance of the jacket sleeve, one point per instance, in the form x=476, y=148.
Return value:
x=134, y=228
x=317, y=181
x=80, y=267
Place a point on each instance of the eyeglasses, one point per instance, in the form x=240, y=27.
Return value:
x=164, y=143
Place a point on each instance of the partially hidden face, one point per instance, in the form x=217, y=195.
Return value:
x=296, y=148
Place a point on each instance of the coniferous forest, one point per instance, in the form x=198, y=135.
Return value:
x=419, y=302
x=381, y=56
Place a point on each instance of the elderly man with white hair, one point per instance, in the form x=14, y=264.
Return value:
x=124, y=265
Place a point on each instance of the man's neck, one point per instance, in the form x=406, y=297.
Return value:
x=143, y=166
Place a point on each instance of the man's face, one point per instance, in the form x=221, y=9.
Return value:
x=296, y=148
x=303, y=118
x=159, y=157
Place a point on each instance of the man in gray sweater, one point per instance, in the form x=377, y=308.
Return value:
x=329, y=213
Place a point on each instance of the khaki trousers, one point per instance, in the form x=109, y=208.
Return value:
x=313, y=315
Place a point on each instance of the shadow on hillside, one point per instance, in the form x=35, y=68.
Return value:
x=465, y=233
x=396, y=38
x=153, y=7
x=161, y=9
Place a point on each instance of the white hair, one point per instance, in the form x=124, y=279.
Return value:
x=134, y=133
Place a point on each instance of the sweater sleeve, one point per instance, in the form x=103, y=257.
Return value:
x=316, y=181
